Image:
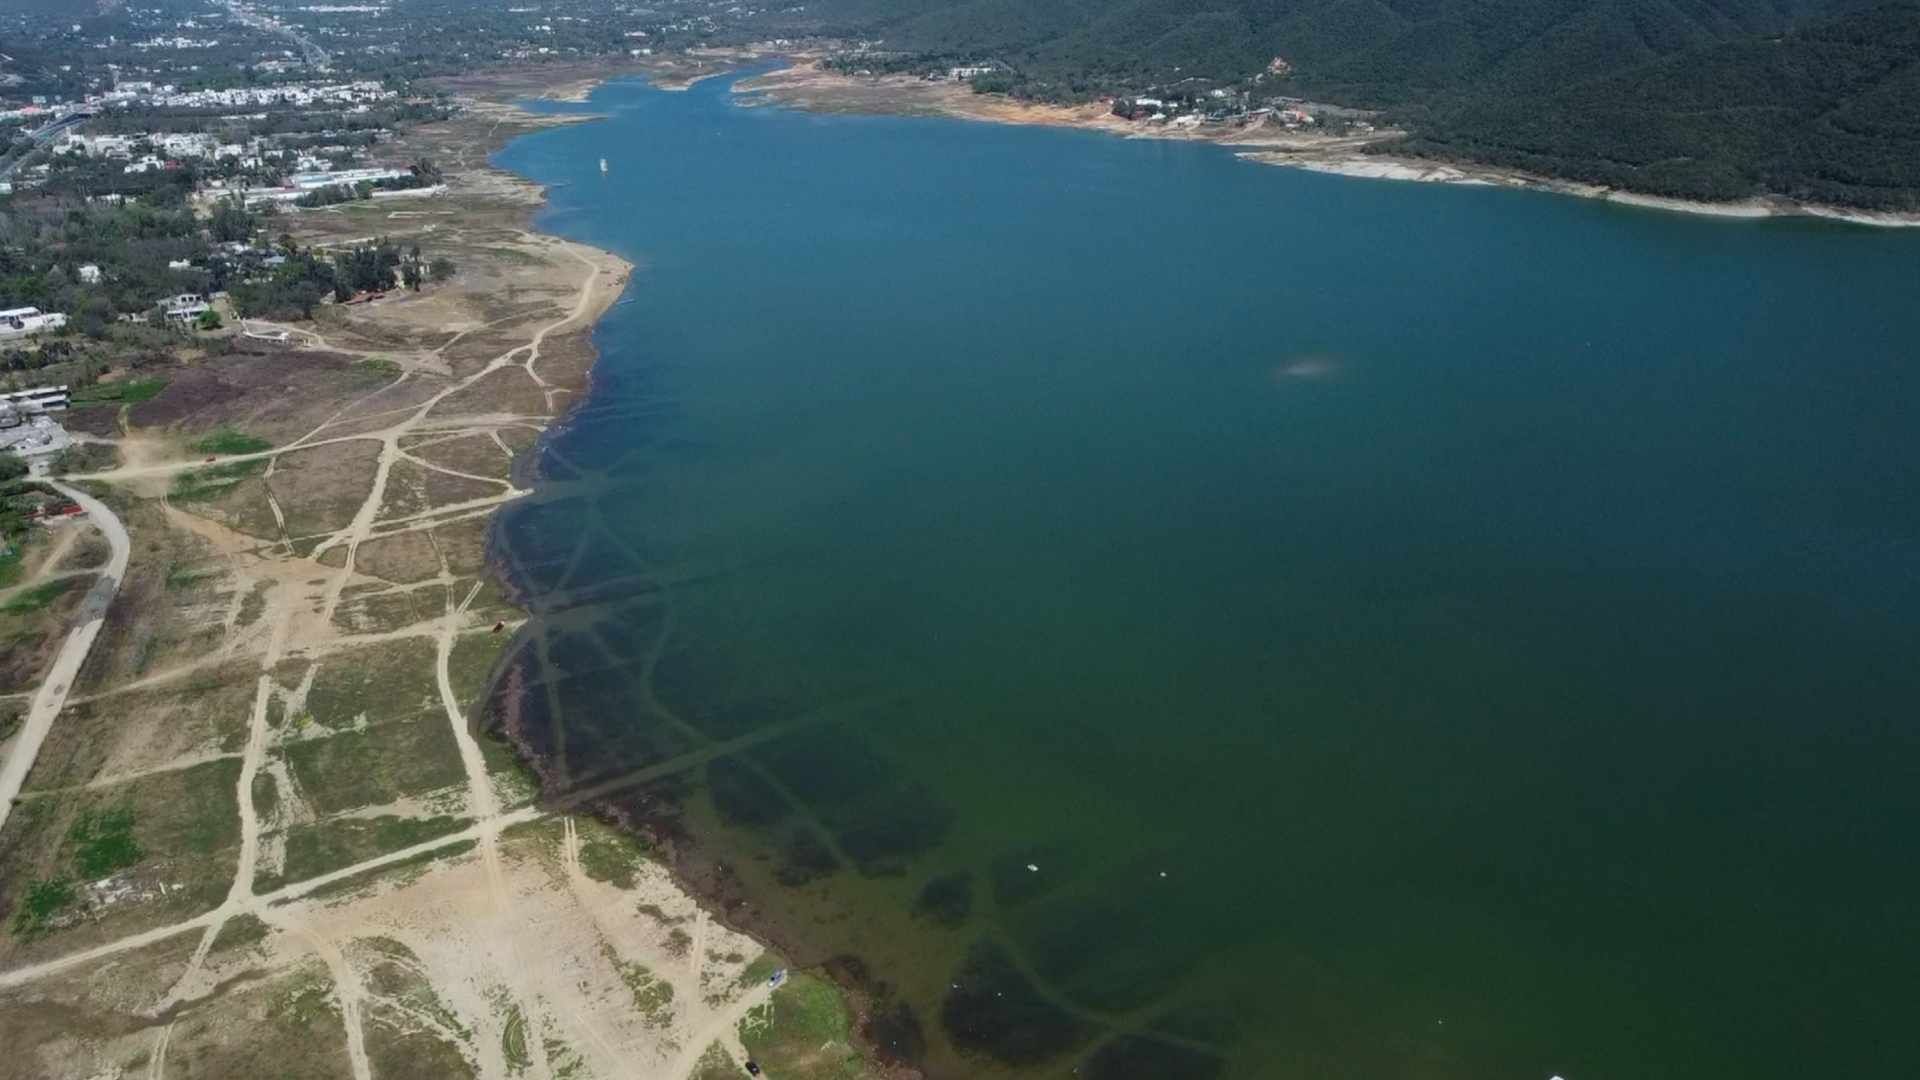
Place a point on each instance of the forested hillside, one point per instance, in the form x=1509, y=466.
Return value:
x=1827, y=113
x=1702, y=98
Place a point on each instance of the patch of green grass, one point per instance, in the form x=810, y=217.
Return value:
x=612, y=858
x=210, y=821
x=10, y=566
x=513, y=1042
x=229, y=441
x=85, y=457
x=253, y=605
x=43, y=901
x=761, y=969
x=404, y=870
x=714, y=1064
x=103, y=842
x=659, y=914
x=471, y=663
x=377, y=765
x=180, y=576
x=652, y=996
x=804, y=1032
x=240, y=932
x=213, y=481
x=306, y=1005
x=395, y=980
x=383, y=369
x=125, y=392
x=39, y=596
x=385, y=682
x=329, y=845
x=9, y=722
x=266, y=795
x=562, y=1060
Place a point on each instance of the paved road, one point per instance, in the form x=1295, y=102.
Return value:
x=52, y=695
x=315, y=55
x=41, y=138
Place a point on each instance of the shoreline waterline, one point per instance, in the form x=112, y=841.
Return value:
x=797, y=85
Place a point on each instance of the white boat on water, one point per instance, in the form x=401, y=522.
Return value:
x=603, y=165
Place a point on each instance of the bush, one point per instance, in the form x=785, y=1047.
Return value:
x=229, y=441
x=43, y=901
x=103, y=842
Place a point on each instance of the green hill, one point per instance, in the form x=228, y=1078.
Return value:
x=1828, y=113
x=1712, y=99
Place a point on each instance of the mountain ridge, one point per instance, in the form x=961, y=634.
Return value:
x=1817, y=100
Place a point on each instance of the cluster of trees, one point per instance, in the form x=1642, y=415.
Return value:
x=309, y=277
x=1714, y=99
x=45, y=242
x=1829, y=112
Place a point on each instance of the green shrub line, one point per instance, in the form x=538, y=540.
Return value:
x=124, y=392
x=229, y=441
x=213, y=481
x=39, y=596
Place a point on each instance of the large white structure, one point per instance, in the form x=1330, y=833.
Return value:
x=25, y=427
x=38, y=400
x=311, y=180
x=27, y=321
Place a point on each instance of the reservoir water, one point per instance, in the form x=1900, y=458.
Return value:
x=1137, y=613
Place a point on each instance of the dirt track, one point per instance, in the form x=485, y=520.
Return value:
x=51, y=697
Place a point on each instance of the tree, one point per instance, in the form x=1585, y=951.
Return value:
x=231, y=221
x=93, y=316
x=410, y=274
x=210, y=320
x=442, y=269
x=12, y=466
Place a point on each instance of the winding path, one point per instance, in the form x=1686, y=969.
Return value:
x=51, y=697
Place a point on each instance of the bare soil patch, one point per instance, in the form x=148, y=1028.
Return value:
x=321, y=488
x=402, y=557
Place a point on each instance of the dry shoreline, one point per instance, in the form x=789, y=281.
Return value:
x=697, y=876
x=807, y=85
x=698, y=871
x=286, y=681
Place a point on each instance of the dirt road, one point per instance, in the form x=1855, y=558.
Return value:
x=51, y=697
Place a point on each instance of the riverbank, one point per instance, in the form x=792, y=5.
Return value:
x=806, y=84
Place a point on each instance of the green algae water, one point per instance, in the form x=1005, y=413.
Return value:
x=1134, y=613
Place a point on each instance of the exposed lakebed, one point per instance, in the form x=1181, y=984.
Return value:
x=1140, y=612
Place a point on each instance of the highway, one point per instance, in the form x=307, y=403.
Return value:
x=41, y=137
x=315, y=55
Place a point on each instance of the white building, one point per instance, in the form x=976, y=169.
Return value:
x=37, y=400
x=307, y=181
x=113, y=146
x=89, y=274
x=27, y=321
